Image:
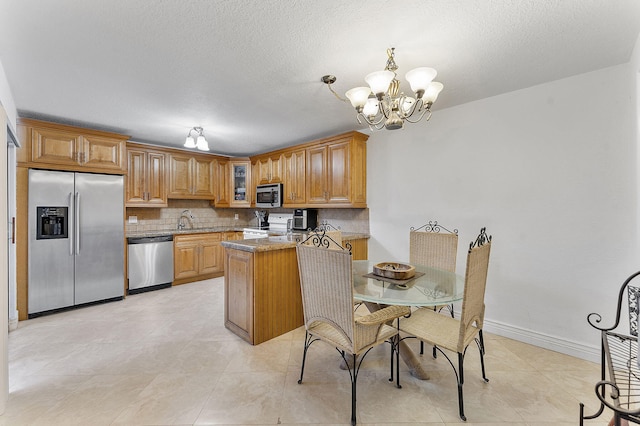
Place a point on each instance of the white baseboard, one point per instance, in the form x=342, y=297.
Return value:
x=578, y=350
x=13, y=324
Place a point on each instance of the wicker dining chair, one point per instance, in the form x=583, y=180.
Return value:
x=327, y=299
x=454, y=334
x=430, y=247
x=331, y=239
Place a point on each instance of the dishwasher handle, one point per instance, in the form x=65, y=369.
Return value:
x=148, y=240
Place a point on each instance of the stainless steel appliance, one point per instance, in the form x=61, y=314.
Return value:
x=150, y=263
x=305, y=219
x=269, y=195
x=76, y=239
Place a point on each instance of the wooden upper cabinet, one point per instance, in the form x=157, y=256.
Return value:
x=317, y=191
x=222, y=185
x=61, y=147
x=55, y=146
x=103, y=153
x=336, y=172
x=203, y=169
x=267, y=169
x=146, y=180
x=180, y=175
x=191, y=176
x=330, y=172
x=240, y=183
x=294, y=177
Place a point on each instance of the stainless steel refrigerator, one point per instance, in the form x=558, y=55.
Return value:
x=76, y=239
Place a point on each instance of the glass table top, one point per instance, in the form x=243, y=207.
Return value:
x=435, y=287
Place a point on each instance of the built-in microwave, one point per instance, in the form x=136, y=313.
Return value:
x=269, y=195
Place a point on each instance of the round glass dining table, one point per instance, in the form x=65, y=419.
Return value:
x=429, y=287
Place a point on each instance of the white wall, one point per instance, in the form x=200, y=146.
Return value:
x=551, y=172
x=6, y=100
x=8, y=115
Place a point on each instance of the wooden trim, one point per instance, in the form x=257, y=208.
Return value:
x=22, y=243
x=68, y=128
x=328, y=140
x=198, y=278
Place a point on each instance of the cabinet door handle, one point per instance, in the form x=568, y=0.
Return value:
x=13, y=230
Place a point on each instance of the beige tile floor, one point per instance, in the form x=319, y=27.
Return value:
x=165, y=358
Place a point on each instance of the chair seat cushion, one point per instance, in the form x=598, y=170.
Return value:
x=437, y=329
x=330, y=334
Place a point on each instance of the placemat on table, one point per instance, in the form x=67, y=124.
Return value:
x=391, y=280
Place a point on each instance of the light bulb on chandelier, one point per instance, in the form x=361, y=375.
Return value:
x=199, y=142
x=383, y=105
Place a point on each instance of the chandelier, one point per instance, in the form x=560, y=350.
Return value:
x=200, y=142
x=383, y=105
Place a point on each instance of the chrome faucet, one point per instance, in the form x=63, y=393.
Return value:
x=186, y=214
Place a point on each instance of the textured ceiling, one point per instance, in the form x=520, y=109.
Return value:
x=249, y=71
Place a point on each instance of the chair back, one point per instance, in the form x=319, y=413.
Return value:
x=327, y=288
x=430, y=247
x=633, y=298
x=472, y=315
x=327, y=239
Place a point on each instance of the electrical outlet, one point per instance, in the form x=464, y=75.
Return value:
x=236, y=217
x=133, y=219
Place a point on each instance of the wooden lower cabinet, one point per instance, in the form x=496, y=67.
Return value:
x=238, y=293
x=197, y=257
x=262, y=293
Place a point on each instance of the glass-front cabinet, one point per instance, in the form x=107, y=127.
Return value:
x=240, y=179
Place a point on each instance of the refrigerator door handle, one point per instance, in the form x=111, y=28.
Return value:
x=71, y=222
x=77, y=223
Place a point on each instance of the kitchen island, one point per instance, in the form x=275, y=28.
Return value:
x=262, y=284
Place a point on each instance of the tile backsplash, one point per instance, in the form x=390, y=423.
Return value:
x=205, y=216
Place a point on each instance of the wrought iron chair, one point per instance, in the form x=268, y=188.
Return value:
x=619, y=385
x=327, y=300
x=454, y=334
x=327, y=239
x=430, y=247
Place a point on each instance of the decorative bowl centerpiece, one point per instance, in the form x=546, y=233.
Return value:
x=394, y=270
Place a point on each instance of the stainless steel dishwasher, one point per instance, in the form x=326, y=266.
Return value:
x=150, y=263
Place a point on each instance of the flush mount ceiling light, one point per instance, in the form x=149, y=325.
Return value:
x=383, y=105
x=200, y=142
